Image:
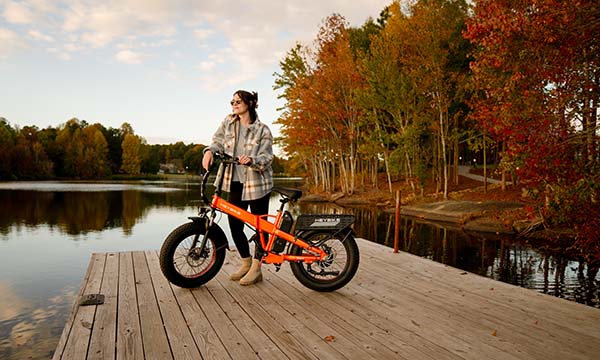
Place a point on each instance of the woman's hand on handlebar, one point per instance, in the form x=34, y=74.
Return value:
x=207, y=160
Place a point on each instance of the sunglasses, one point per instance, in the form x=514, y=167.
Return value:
x=235, y=102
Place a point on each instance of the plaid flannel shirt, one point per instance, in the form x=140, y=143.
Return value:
x=258, y=145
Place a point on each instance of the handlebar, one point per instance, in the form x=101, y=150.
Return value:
x=224, y=159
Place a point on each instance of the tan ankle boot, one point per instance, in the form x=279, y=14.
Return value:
x=254, y=275
x=246, y=264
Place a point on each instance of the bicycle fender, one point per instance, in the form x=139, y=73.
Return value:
x=215, y=232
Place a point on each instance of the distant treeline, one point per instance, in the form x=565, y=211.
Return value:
x=79, y=150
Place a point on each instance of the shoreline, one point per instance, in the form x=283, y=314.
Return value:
x=468, y=209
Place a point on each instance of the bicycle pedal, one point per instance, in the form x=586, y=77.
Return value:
x=277, y=267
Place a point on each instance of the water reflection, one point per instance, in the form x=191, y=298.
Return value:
x=28, y=330
x=81, y=212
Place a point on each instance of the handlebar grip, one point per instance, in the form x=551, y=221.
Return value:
x=226, y=158
x=222, y=155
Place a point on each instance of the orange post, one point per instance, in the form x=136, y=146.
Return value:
x=397, y=229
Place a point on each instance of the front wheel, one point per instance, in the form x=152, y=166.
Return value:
x=187, y=266
x=333, y=272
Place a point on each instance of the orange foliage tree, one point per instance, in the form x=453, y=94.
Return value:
x=321, y=122
x=537, y=69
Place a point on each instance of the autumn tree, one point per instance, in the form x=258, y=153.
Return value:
x=431, y=44
x=83, y=149
x=322, y=111
x=131, y=154
x=30, y=160
x=391, y=101
x=95, y=153
x=414, y=101
x=536, y=69
x=295, y=140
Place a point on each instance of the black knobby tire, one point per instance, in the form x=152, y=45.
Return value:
x=333, y=272
x=189, y=268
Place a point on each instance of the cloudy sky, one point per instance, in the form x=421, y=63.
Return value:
x=168, y=67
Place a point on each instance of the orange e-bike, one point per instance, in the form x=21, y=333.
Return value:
x=320, y=248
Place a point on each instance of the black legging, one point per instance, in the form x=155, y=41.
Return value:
x=257, y=207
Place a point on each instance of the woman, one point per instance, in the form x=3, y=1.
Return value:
x=243, y=136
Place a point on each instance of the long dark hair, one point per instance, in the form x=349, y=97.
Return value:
x=250, y=99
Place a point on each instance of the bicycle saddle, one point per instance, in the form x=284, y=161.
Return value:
x=293, y=194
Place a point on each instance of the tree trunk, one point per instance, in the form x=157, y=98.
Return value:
x=443, y=145
x=503, y=169
x=484, y=164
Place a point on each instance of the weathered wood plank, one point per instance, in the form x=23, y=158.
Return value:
x=267, y=314
x=236, y=345
x=379, y=338
x=102, y=344
x=178, y=333
x=154, y=337
x=408, y=341
x=79, y=337
x=206, y=338
x=310, y=341
x=424, y=319
x=60, y=347
x=311, y=320
x=261, y=344
x=129, y=334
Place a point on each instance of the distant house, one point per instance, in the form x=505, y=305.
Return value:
x=170, y=168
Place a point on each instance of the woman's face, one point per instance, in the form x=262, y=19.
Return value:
x=238, y=105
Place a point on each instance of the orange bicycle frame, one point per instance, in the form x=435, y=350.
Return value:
x=263, y=226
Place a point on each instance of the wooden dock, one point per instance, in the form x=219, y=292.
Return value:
x=399, y=306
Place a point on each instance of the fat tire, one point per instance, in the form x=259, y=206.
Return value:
x=172, y=242
x=351, y=266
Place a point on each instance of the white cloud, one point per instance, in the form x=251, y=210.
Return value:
x=18, y=13
x=39, y=36
x=97, y=39
x=207, y=65
x=72, y=47
x=128, y=57
x=203, y=34
x=61, y=54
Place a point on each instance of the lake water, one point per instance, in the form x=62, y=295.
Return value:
x=48, y=230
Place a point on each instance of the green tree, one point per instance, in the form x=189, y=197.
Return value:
x=114, y=139
x=192, y=159
x=7, y=143
x=151, y=159
x=70, y=148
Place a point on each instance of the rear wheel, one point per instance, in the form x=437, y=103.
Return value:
x=333, y=272
x=189, y=267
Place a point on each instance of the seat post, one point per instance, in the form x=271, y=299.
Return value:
x=283, y=201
